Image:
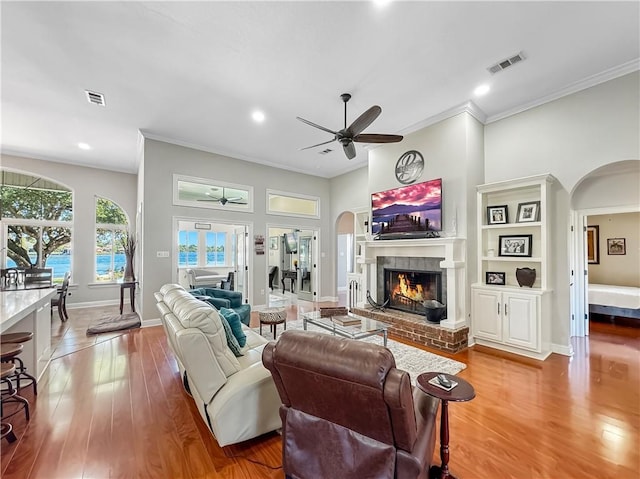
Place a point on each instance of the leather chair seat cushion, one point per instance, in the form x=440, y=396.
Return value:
x=233, y=319
x=193, y=313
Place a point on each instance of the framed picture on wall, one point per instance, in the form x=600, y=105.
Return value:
x=593, y=244
x=616, y=246
x=273, y=242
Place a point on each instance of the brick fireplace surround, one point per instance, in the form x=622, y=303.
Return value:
x=415, y=328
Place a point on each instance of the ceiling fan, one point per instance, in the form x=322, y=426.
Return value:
x=347, y=136
x=223, y=200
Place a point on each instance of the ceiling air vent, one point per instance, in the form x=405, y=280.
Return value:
x=506, y=63
x=325, y=151
x=95, y=98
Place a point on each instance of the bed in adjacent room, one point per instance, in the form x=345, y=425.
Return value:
x=614, y=300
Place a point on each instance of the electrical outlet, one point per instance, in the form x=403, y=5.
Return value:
x=162, y=254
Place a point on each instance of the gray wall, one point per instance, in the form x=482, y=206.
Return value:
x=163, y=160
x=86, y=183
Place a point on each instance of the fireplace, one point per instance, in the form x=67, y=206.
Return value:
x=407, y=290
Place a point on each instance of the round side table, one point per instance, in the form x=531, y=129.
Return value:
x=273, y=317
x=461, y=393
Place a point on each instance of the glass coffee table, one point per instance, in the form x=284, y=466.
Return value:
x=348, y=326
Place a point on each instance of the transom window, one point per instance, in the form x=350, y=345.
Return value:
x=292, y=204
x=211, y=193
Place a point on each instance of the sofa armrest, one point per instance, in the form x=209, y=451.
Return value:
x=198, y=359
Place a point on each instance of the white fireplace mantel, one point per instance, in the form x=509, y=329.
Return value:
x=452, y=250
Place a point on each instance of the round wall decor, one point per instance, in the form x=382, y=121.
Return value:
x=409, y=167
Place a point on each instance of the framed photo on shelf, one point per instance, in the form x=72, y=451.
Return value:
x=593, y=244
x=273, y=242
x=528, y=212
x=495, y=278
x=515, y=245
x=497, y=215
x=616, y=246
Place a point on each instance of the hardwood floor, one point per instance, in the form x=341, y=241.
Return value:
x=116, y=408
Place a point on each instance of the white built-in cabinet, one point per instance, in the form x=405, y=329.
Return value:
x=356, y=280
x=510, y=317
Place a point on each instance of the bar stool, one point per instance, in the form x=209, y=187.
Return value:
x=10, y=348
x=6, y=429
x=10, y=394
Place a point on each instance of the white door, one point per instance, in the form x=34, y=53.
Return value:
x=486, y=314
x=241, y=268
x=520, y=314
x=307, y=267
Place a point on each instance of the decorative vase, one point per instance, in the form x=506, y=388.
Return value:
x=128, y=269
x=526, y=276
x=434, y=311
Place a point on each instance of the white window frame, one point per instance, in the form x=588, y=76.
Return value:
x=109, y=227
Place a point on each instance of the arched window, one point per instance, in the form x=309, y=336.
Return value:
x=37, y=216
x=111, y=230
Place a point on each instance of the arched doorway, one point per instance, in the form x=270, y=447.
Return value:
x=610, y=190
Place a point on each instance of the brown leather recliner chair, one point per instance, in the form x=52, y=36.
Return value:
x=347, y=412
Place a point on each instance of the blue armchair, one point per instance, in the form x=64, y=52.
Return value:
x=223, y=298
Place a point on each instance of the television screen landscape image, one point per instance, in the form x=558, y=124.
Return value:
x=409, y=210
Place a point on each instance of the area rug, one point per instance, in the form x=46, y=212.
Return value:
x=116, y=322
x=413, y=360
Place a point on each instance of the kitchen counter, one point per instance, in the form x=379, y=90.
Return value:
x=29, y=310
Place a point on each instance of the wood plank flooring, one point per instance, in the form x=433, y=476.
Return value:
x=116, y=408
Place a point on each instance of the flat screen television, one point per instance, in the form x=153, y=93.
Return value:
x=291, y=243
x=408, y=211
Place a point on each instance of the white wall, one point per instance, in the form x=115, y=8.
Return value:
x=567, y=138
x=162, y=160
x=86, y=184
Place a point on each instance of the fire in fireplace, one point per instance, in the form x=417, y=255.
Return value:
x=408, y=290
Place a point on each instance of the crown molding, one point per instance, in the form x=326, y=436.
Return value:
x=467, y=107
x=575, y=87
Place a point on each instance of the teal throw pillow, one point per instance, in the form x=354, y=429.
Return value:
x=232, y=342
x=236, y=325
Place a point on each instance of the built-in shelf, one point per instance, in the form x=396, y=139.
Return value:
x=512, y=225
x=512, y=259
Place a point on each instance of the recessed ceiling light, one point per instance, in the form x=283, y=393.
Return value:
x=481, y=90
x=381, y=3
x=84, y=146
x=257, y=116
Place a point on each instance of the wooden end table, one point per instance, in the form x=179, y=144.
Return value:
x=461, y=393
x=131, y=285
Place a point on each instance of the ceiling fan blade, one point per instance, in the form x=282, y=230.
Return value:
x=377, y=138
x=310, y=123
x=363, y=121
x=349, y=150
x=319, y=144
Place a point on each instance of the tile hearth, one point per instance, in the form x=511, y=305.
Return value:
x=415, y=328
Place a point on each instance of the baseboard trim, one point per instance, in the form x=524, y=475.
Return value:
x=94, y=304
x=561, y=349
x=328, y=298
x=147, y=323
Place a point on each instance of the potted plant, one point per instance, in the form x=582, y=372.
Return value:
x=129, y=244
